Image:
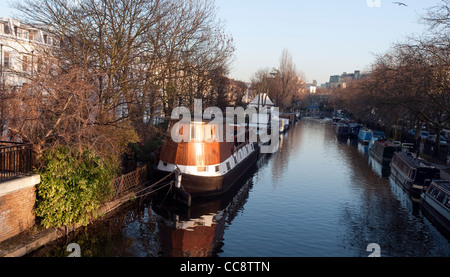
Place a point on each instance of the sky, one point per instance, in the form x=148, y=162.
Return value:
x=325, y=37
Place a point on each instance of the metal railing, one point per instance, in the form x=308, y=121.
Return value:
x=128, y=181
x=15, y=159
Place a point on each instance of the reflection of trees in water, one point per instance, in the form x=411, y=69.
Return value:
x=110, y=236
x=290, y=145
x=378, y=215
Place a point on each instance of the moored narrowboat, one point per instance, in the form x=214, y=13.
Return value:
x=436, y=202
x=342, y=129
x=383, y=151
x=413, y=174
x=382, y=154
x=364, y=135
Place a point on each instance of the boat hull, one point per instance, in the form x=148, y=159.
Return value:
x=436, y=213
x=198, y=186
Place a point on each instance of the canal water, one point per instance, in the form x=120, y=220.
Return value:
x=315, y=197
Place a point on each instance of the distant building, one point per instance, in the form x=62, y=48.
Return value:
x=311, y=88
x=341, y=81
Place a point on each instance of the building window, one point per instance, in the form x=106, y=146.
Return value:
x=6, y=29
x=33, y=35
x=25, y=63
x=6, y=60
x=22, y=34
x=39, y=64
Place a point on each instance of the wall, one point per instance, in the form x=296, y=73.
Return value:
x=17, y=199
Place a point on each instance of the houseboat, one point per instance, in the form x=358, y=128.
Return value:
x=354, y=130
x=382, y=153
x=342, y=129
x=335, y=120
x=376, y=135
x=206, y=166
x=364, y=136
x=413, y=174
x=436, y=202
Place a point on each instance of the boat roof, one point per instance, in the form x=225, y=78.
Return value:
x=444, y=184
x=413, y=161
x=378, y=133
x=386, y=143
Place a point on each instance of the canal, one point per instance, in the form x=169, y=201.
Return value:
x=315, y=197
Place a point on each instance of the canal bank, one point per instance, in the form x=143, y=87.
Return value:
x=36, y=237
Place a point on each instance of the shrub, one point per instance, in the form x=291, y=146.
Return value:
x=73, y=185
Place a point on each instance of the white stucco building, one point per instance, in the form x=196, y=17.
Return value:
x=21, y=49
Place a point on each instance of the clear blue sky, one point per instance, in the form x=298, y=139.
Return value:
x=325, y=37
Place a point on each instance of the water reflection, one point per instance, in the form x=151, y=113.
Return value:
x=198, y=231
x=380, y=169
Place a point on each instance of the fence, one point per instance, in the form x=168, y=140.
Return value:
x=130, y=180
x=15, y=159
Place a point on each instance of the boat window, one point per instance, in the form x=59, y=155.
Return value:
x=210, y=132
x=216, y=168
x=445, y=199
x=431, y=190
x=228, y=166
x=201, y=168
x=440, y=197
x=448, y=203
x=164, y=164
x=435, y=193
x=412, y=173
x=197, y=134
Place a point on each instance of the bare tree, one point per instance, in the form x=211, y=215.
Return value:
x=127, y=60
x=284, y=85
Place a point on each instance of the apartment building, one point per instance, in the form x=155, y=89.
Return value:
x=21, y=48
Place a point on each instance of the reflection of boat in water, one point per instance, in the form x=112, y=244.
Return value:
x=410, y=202
x=380, y=169
x=411, y=173
x=284, y=125
x=436, y=203
x=363, y=149
x=198, y=230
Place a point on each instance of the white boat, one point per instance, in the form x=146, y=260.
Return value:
x=413, y=174
x=436, y=201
